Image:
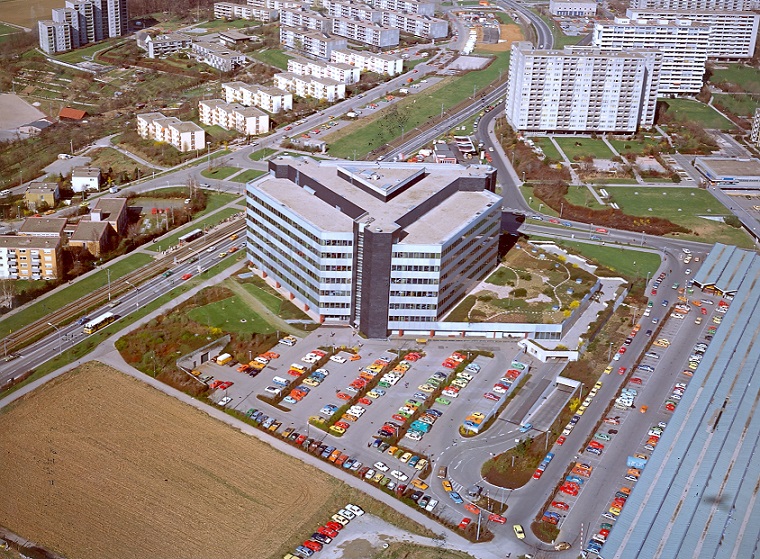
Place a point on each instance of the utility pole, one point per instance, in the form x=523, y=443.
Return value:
x=60, y=343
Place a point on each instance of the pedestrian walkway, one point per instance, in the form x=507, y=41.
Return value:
x=260, y=308
x=634, y=170
x=574, y=178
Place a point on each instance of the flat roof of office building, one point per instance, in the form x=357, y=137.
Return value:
x=697, y=495
x=386, y=192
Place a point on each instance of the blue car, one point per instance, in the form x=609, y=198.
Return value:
x=525, y=428
x=456, y=497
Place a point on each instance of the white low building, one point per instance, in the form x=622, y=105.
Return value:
x=85, y=179
x=572, y=8
x=324, y=89
x=185, y=136
x=338, y=71
x=383, y=64
x=233, y=116
x=271, y=99
x=218, y=56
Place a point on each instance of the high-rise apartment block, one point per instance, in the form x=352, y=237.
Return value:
x=82, y=22
x=385, y=247
x=581, y=89
x=696, y=5
x=755, y=134
x=684, y=46
x=733, y=35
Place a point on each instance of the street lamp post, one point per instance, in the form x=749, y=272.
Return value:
x=208, y=155
x=137, y=290
x=108, y=273
x=609, y=353
x=60, y=343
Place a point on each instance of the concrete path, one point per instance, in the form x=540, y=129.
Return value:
x=574, y=178
x=635, y=171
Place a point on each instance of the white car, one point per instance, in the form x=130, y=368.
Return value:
x=498, y=389
x=345, y=513
x=358, y=411
x=431, y=505
x=401, y=476
x=686, y=251
x=273, y=390
x=465, y=376
x=413, y=435
x=381, y=466
x=356, y=509
x=687, y=271
x=338, y=359
x=224, y=401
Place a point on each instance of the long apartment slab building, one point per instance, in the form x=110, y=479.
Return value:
x=270, y=99
x=733, y=35
x=338, y=71
x=581, y=89
x=324, y=89
x=690, y=5
x=314, y=43
x=183, y=135
x=684, y=46
x=81, y=22
x=230, y=10
x=233, y=116
x=384, y=247
x=379, y=63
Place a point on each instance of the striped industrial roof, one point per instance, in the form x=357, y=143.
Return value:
x=698, y=495
x=724, y=268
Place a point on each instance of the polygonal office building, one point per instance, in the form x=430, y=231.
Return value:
x=384, y=247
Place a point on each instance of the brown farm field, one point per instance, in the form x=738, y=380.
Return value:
x=97, y=464
x=27, y=12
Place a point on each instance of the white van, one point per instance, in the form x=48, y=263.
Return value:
x=280, y=381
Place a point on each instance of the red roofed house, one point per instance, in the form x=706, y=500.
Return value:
x=71, y=114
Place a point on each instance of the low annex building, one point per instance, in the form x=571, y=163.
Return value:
x=730, y=173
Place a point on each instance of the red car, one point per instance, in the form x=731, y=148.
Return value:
x=300, y=439
x=560, y=505
x=336, y=526
x=569, y=489
x=561, y=440
x=365, y=401
x=703, y=310
x=465, y=523
x=670, y=407
x=594, y=444
x=654, y=292
x=635, y=380
x=398, y=417
x=226, y=385
x=343, y=396
x=622, y=370
x=186, y=276
x=294, y=372
x=450, y=364
x=342, y=424
x=490, y=396
x=499, y=519
x=537, y=474
x=314, y=546
x=623, y=349
x=330, y=533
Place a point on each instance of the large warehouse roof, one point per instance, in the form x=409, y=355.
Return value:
x=697, y=496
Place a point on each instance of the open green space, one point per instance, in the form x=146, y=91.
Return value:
x=262, y=154
x=746, y=77
x=560, y=39
x=109, y=158
x=581, y=196
x=224, y=24
x=548, y=148
x=217, y=134
x=578, y=148
x=536, y=204
x=231, y=315
x=219, y=173
x=740, y=104
x=248, y=175
x=273, y=300
x=415, y=110
x=85, y=53
x=635, y=146
x=614, y=180
x=629, y=263
x=501, y=276
x=209, y=221
x=76, y=290
x=273, y=57
x=504, y=18
x=214, y=201
x=683, y=206
x=688, y=110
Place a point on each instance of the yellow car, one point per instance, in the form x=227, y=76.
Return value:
x=519, y=532
x=698, y=320
x=717, y=319
x=608, y=370
x=337, y=430
x=447, y=485
x=693, y=365
x=419, y=484
x=405, y=457
x=662, y=342
x=426, y=388
x=581, y=410
x=222, y=254
x=598, y=384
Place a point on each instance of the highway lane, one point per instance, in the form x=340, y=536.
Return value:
x=65, y=337
x=544, y=37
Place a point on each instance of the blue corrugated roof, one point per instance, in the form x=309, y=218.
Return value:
x=698, y=495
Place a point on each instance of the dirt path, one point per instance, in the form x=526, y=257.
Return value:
x=261, y=309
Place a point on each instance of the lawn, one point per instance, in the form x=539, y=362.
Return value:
x=231, y=315
x=273, y=57
x=78, y=289
x=371, y=133
x=504, y=18
x=560, y=39
x=501, y=276
x=628, y=263
x=219, y=173
x=224, y=24
x=738, y=104
x=536, y=204
x=210, y=221
x=687, y=110
x=548, y=148
x=109, y=158
x=746, y=77
x=85, y=53
x=214, y=201
x=248, y=175
x=273, y=300
x=581, y=196
x=578, y=148
x=262, y=154
x=635, y=146
x=692, y=203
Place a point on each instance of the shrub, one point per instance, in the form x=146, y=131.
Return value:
x=520, y=292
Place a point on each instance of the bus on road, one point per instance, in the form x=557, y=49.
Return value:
x=101, y=322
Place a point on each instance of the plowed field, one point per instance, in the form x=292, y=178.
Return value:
x=97, y=464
